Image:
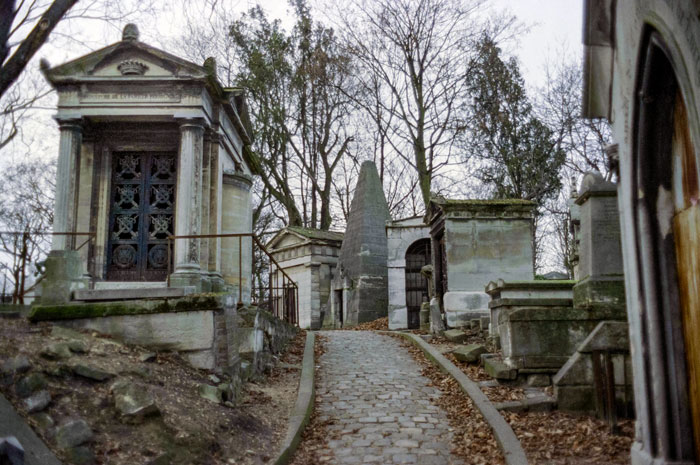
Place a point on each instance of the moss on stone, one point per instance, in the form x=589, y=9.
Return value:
x=195, y=302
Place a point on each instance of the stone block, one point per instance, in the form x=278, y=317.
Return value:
x=455, y=335
x=73, y=433
x=425, y=316
x=499, y=370
x=470, y=353
x=437, y=325
x=575, y=398
x=539, y=380
x=63, y=275
x=602, y=292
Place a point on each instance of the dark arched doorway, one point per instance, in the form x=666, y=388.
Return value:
x=417, y=256
x=667, y=247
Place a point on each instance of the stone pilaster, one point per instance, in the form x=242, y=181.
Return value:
x=67, y=183
x=188, y=205
x=215, y=212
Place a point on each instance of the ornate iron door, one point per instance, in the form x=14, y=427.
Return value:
x=142, y=215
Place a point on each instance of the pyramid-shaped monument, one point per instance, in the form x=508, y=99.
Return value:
x=363, y=255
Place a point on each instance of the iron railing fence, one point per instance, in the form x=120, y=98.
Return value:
x=271, y=287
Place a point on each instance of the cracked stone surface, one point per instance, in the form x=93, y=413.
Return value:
x=380, y=404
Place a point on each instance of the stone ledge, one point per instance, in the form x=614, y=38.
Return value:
x=76, y=310
x=129, y=294
x=304, y=405
x=510, y=445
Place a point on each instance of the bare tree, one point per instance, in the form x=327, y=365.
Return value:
x=416, y=57
x=26, y=215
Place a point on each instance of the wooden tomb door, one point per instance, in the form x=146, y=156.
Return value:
x=686, y=232
x=142, y=215
x=667, y=248
x=417, y=256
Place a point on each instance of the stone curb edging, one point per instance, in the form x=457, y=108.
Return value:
x=304, y=406
x=510, y=445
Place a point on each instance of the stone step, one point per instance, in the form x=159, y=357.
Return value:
x=129, y=294
x=100, y=285
x=535, y=404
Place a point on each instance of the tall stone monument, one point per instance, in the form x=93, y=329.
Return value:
x=600, y=255
x=363, y=255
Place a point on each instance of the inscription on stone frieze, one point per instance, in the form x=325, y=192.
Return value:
x=137, y=97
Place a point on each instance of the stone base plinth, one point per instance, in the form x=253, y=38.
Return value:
x=462, y=306
x=600, y=292
x=194, y=279
x=64, y=274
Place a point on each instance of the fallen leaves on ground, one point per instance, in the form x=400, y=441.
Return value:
x=315, y=435
x=381, y=324
x=472, y=438
x=552, y=437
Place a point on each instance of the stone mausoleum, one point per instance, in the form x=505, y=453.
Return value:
x=475, y=242
x=151, y=146
x=308, y=256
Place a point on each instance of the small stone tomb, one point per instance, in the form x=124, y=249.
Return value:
x=309, y=257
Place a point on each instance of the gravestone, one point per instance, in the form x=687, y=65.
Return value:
x=600, y=254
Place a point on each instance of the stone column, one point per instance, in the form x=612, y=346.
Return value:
x=205, y=212
x=215, y=212
x=237, y=218
x=67, y=183
x=188, y=205
x=63, y=265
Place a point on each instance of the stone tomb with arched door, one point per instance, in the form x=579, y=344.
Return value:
x=408, y=242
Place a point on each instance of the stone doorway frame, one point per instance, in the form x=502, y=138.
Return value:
x=664, y=423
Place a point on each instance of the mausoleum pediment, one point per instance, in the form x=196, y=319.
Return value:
x=128, y=58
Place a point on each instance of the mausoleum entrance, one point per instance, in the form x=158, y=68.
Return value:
x=417, y=256
x=142, y=214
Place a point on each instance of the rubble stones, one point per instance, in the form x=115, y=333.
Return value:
x=43, y=419
x=16, y=365
x=211, y=393
x=469, y=353
x=91, y=372
x=80, y=455
x=37, y=401
x=134, y=403
x=30, y=384
x=147, y=357
x=73, y=433
x=56, y=350
x=455, y=335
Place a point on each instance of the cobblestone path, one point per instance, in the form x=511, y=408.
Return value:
x=381, y=404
